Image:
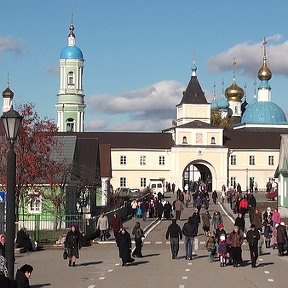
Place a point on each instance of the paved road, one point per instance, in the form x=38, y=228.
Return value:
x=99, y=265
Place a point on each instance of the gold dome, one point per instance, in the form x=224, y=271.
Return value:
x=264, y=73
x=234, y=92
x=7, y=93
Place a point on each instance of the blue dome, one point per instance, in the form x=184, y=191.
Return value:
x=263, y=113
x=222, y=103
x=71, y=52
x=214, y=105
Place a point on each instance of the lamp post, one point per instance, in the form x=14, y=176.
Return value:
x=11, y=121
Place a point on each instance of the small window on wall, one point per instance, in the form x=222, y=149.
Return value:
x=70, y=125
x=123, y=160
x=252, y=160
x=161, y=160
x=233, y=181
x=233, y=160
x=184, y=140
x=71, y=78
x=143, y=182
x=213, y=140
x=34, y=203
x=122, y=182
x=271, y=160
x=142, y=160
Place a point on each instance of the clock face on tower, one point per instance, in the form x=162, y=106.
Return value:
x=199, y=138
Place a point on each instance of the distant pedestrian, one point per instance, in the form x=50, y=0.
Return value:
x=252, y=238
x=174, y=233
x=23, y=275
x=134, y=205
x=116, y=224
x=206, y=219
x=222, y=250
x=178, y=208
x=281, y=238
x=216, y=219
x=123, y=241
x=240, y=222
x=138, y=236
x=103, y=226
x=214, y=196
x=167, y=210
x=73, y=244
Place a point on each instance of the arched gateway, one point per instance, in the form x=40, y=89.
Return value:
x=199, y=170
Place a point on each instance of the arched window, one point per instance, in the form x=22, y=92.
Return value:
x=70, y=79
x=70, y=125
x=213, y=140
x=184, y=140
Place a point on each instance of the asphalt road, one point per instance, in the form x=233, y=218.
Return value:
x=99, y=265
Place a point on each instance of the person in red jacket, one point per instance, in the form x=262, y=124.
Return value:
x=116, y=224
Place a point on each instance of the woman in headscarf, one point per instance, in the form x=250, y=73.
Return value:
x=73, y=244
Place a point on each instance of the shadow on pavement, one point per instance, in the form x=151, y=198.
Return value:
x=40, y=285
x=136, y=263
x=265, y=264
x=150, y=255
x=89, y=263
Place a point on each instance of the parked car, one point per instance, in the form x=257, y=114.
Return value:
x=272, y=195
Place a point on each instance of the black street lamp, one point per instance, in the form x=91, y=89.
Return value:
x=11, y=121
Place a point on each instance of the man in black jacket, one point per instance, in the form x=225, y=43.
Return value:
x=189, y=230
x=174, y=232
x=252, y=237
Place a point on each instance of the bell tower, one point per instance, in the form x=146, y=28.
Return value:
x=70, y=103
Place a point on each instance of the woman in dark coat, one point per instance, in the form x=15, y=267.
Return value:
x=138, y=235
x=240, y=222
x=73, y=244
x=167, y=210
x=123, y=241
x=23, y=275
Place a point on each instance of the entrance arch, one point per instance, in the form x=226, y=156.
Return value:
x=198, y=170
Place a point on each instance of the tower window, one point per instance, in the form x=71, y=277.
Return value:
x=252, y=160
x=184, y=140
x=71, y=80
x=213, y=140
x=271, y=160
x=70, y=125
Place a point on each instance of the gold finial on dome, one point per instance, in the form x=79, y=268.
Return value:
x=234, y=92
x=264, y=73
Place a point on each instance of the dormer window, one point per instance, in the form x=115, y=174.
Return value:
x=213, y=140
x=70, y=125
x=71, y=78
x=184, y=140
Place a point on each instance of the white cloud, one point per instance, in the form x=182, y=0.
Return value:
x=10, y=44
x=249, y=57
x=146, y=109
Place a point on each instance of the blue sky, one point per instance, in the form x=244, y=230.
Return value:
x=138, y=54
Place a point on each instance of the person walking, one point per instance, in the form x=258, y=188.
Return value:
x=206, y=219
x=73, y=244
x=281, y=238
x=134, y=205
x=23, y=275
x=235, y=240
x=216, y=219
x=189, y=231
x=103, y=226
x=138, y=235
x=252, y=238
x=178, y=208
x=214, y=196
x=123, y=241
x=174, y=233
x=116, y=224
